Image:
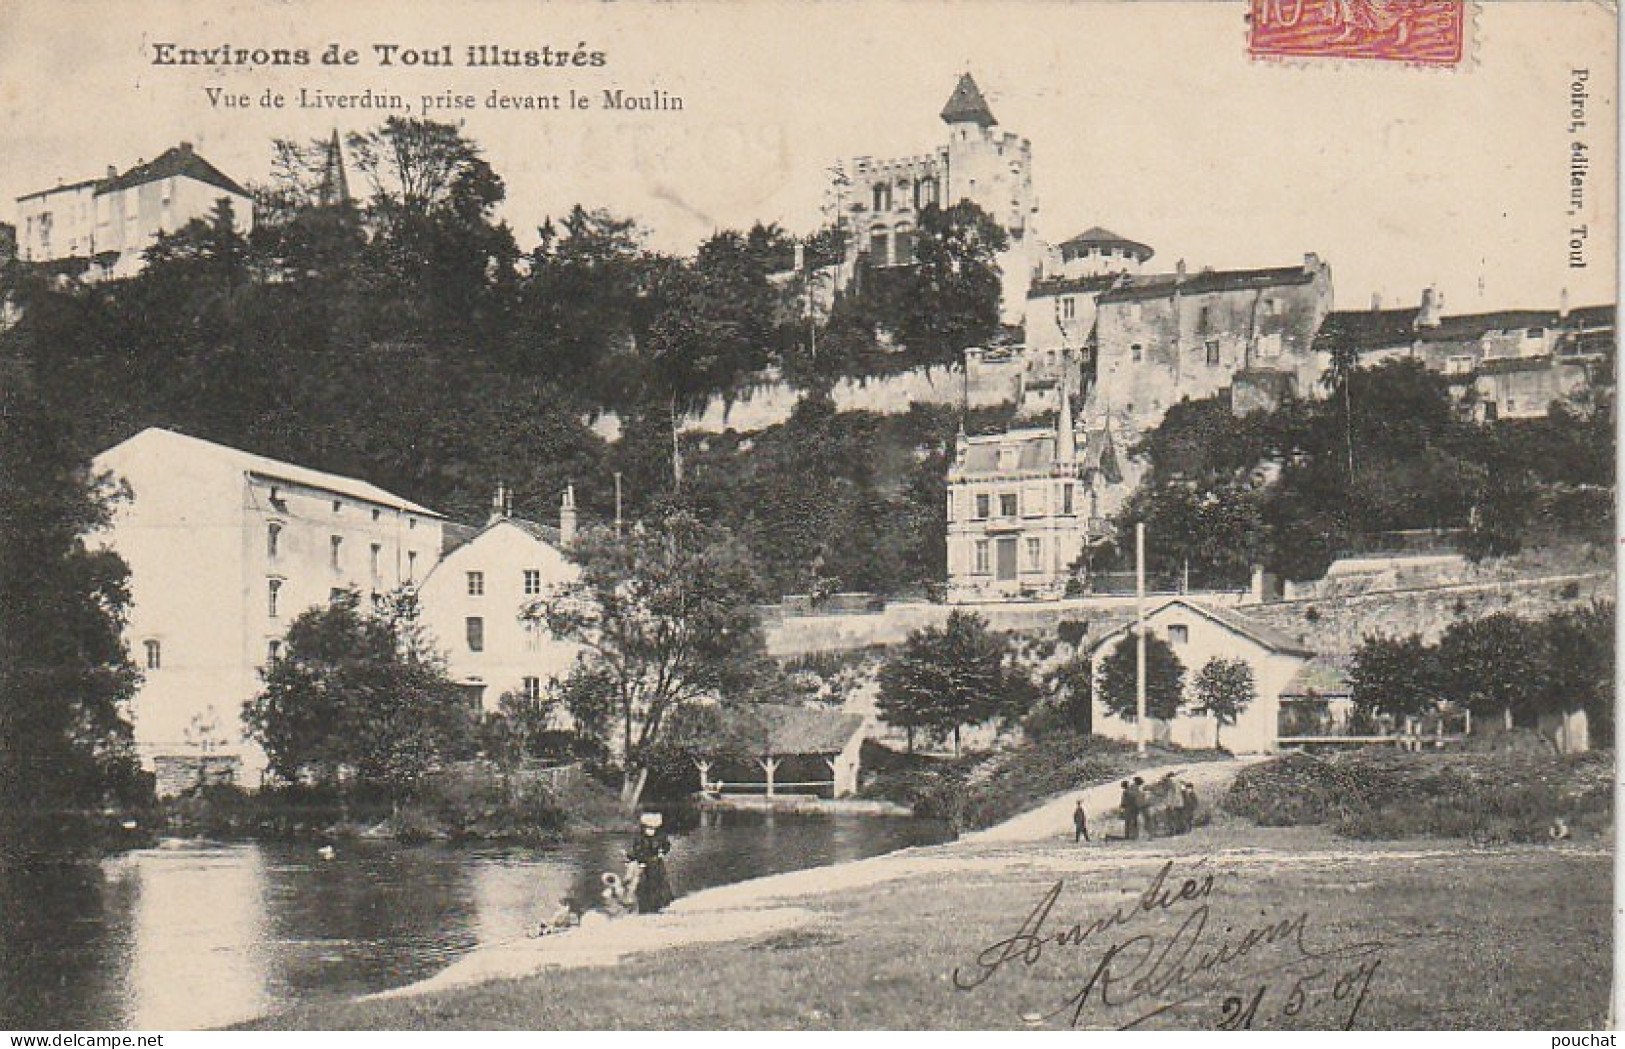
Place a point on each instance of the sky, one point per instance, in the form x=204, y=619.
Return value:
x=1146, y=117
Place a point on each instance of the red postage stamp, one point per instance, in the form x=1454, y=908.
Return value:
x=1414, y=32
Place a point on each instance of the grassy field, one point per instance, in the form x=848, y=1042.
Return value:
x=1408, y=935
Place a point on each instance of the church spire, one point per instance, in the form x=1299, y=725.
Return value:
x=966, y=105
x=335, y=185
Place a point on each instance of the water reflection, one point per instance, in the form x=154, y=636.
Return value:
x=202, y=935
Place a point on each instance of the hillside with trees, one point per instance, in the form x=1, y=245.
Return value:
x=407, y=337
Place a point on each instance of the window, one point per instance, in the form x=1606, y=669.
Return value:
x=950, y=507
x=411, y=522
x=1136, y=352
x=1008, y=505
x=533, y=688
x=376, y=513
x=273, y=651
x=533, y=582
x=373, y=556
x=155, y=653
x=1204, y=318
x=1066, y=500
x=1035, y=554
x=476, y=633
x=335, y=551
x=1271, y=308
x=273, y=540
x=337, y=506
x=903, y=246
x=535, y=633
x=273, y=588
x=983, y=502
x=336, y=595
x=981, y=557
x=1178, y=634
x=877, y=248
x=411, y=565
x=1213, y=351
x=1069, y=308
x=476, y=584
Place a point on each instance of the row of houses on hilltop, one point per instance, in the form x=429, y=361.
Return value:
x=99, y=228
x=226, y=548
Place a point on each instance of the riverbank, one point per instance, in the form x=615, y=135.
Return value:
x=1464, y=937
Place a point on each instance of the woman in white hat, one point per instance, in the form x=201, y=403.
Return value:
x=648, y=850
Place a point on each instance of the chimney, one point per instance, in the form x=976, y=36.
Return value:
x=1429, y=314
x=567, y=517
x=500, y=501
x=112, y=172
x=186, y=147
x=1563, y=305
x=1311, y=261
x=1179, y=269
x=1376, y=301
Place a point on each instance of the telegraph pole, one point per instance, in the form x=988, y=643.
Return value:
x=1139, y=637
x=617, y=502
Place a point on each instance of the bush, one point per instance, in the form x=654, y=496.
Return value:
x=1383, y=794
x=476, y=800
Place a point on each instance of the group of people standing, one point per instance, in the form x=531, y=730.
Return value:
x=1140, y=805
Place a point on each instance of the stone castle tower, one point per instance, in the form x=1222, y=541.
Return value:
x=879, y=200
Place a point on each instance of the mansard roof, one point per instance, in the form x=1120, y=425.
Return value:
x=967, y=104
x=1095, y=237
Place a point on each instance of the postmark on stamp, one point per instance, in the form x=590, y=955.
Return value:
x=1411, y=32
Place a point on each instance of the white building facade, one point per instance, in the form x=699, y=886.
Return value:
x=225, y=549
x=474, y=600
x=1023, y=504
x=1198, y=632
x=106, y=224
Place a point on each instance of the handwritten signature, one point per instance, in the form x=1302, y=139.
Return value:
x=1275, y=961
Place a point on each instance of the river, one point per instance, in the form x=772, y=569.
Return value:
x=193, y=935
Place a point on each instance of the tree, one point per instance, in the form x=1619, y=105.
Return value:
x=1578, y=646
x=65, y=677
x=666, y=616
x=1224, y=689
x=435, y=247
x=946, y=678
x=580, y=300
x=949, y=299
x=1400, y=676
x=1164, y=679
x=1494, y=665
x=358, y=696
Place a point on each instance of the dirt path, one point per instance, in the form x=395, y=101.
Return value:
x=781, y=901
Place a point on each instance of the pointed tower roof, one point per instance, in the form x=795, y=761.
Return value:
x=335, y=185
x=967, y=105
x=1066, y=439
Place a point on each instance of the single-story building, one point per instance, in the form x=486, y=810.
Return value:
x=1198, y=632
x=791, y=750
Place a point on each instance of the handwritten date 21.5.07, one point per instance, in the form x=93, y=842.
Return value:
x=1289, y=999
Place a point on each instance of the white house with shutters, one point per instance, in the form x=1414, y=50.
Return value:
x=472, y=603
